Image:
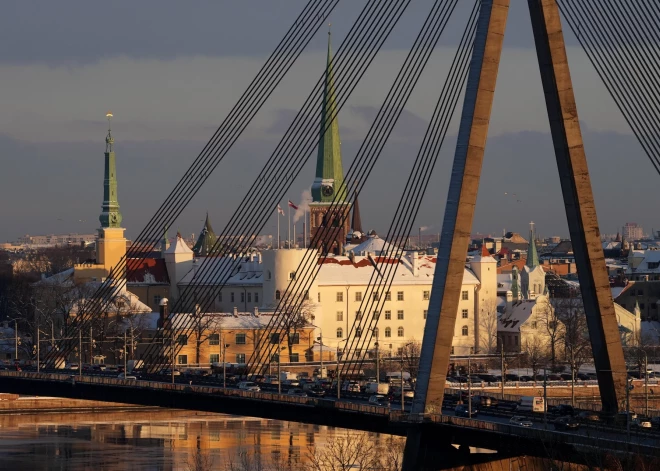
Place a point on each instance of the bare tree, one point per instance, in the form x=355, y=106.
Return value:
x=296, y=311
x=552, y=328
x=357, y=451
x=200, y=460
x=488, y=318
x=536, y=354
x=410, y=354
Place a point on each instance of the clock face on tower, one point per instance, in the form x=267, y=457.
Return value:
x=327, y=190
x=113, y=218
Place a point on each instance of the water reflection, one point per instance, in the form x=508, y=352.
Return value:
x=149, y=440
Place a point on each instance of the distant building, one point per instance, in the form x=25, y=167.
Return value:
x=633, y=231
x=52, y=240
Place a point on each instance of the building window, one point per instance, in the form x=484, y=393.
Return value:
x=269, y=275
x=340, y=333
x=388, y=315
x=214, y=339
x=358, y=296
x=182, y=339
x=240, y=339
x=220, y=297
x=426, y=312
x=388, y=332
x=534, y=325
x=358, y=332
x=388, y=296
x=277, y=295
x=157, y=299
x=515, y=340
x=275, y=338
x=376, y=315
x=375, y=332
x=243, y=296
x=294, y=358
x=399, y=315
x=294, y=338
x=240, y=358
x=249, y=297
x=318, y=296
x=340, y=316
x=399, y=332
x=358, y=315
x=275, y=357
x=464, y=313
x=340, y=296
x=465, y=296
x=376, y=296
x=292, y=275
x=182, y=360
x=452, y=350
x=231, y=296
x=399, y=296
x=306, y=297
x=256, y=297
x=464, y=331
x=427, y=295
x=214, y=358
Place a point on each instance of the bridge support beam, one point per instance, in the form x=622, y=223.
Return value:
x=579, y=202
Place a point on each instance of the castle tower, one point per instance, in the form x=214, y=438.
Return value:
x=484, y=267
x=206, y=240
x=111, y=245
x=329, y=182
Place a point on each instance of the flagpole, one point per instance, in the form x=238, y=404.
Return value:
x=288, y=226
x=277, y=213
x=294, y=233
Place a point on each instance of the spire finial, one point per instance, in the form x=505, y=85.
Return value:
x=109, y=141
x=329, y=29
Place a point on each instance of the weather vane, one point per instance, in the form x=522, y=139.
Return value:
x=109, y=140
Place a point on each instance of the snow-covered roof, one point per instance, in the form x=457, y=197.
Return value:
x=520, y=313
x=375, y=245
x=215, y=270
x=63, y=278
x=179, y=246
x=217, y=320
x=504, y=282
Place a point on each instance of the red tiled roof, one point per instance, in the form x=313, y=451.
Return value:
x=137, y=268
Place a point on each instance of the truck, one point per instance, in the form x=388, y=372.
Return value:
x=134, y=365
x=287, y=375
x=531, y=404
x=377, y=388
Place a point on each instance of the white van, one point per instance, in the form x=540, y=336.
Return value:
x=377, y=388
x=531, y=404
x=249, y=386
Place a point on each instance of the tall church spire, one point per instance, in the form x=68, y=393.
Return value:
x=356, y=222
x=532, y=254
x=329, y=180
x=110, y=215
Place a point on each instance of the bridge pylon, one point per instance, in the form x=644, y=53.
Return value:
x=462, y=198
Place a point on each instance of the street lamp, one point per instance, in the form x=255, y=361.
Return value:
x=470, y=384
x=338, y=371
x=224, y=362
x=402, y=395
x=320, y=339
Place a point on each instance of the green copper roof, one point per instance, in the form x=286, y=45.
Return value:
x=110, y=215
x=329, y=170
x=532, y=254
x=206, y=239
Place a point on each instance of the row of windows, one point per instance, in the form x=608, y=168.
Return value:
x=250, y=296
x=240, y=339
x=213, y=358
x=358, y=332
x=465, y=314
x=278, y=295
x=376, y=295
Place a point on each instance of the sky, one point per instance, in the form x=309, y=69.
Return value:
x=170, y=72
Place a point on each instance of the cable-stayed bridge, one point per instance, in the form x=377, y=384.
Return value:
x=619, y=39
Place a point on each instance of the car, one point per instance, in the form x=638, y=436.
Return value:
x=462, y=410
x=590, y=416
x=562, y=410
x=316, y=391
x=249, y=386
x=379, y=400
x=566, y=423
x=642, y=422
x=520, y=421
x=73, y=366
x=126, y=376
x=297, y=392
x=99, y=367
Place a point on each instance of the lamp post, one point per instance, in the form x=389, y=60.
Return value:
x=646, y=384
x=402, y=395
x=469, y=384
x=545, y=398
x=79, y=351
x=320, y=339
x=125, y=354
x=377, y=360
x=629, y=387
x=38, y=353
x=338, y=370
x=502, y=365
x=15, y=340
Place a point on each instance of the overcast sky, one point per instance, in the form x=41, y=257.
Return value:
x=170, y=72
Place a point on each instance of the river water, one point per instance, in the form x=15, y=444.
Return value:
x=154, y=440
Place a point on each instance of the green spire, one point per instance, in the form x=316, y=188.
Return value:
x=206, y=239
x=110, y=215
x=532, y=255
x=329, y=179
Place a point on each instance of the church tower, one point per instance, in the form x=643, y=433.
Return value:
x=111, y=245
x=532, y=275
x=329, y=182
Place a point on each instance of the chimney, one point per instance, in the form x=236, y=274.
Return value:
x=164, y=314
x=256, y=311
x=415, y=263
x=235, y=311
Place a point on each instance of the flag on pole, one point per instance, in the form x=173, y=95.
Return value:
x=280, y=210
x=293, y=205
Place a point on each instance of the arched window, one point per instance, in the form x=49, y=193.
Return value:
x=375, y=332
x=464, y=331
x=277, y=294
x=388, y=332
x=358, y=332
x=269, y=275
x=399, y=332
x=340, y=333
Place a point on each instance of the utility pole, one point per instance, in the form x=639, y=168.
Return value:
x=15, y=340
x=377, y=362
x=629, y=386
x=402, y=401
x=172, y=351
x=125, y=354
x=224, y=363
x=646, y=383
x=79, y=352
x=38, y=353
x=279, y=371
x=502, y=365
x=545, y=399
x=338, y=376
x=91, y=345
